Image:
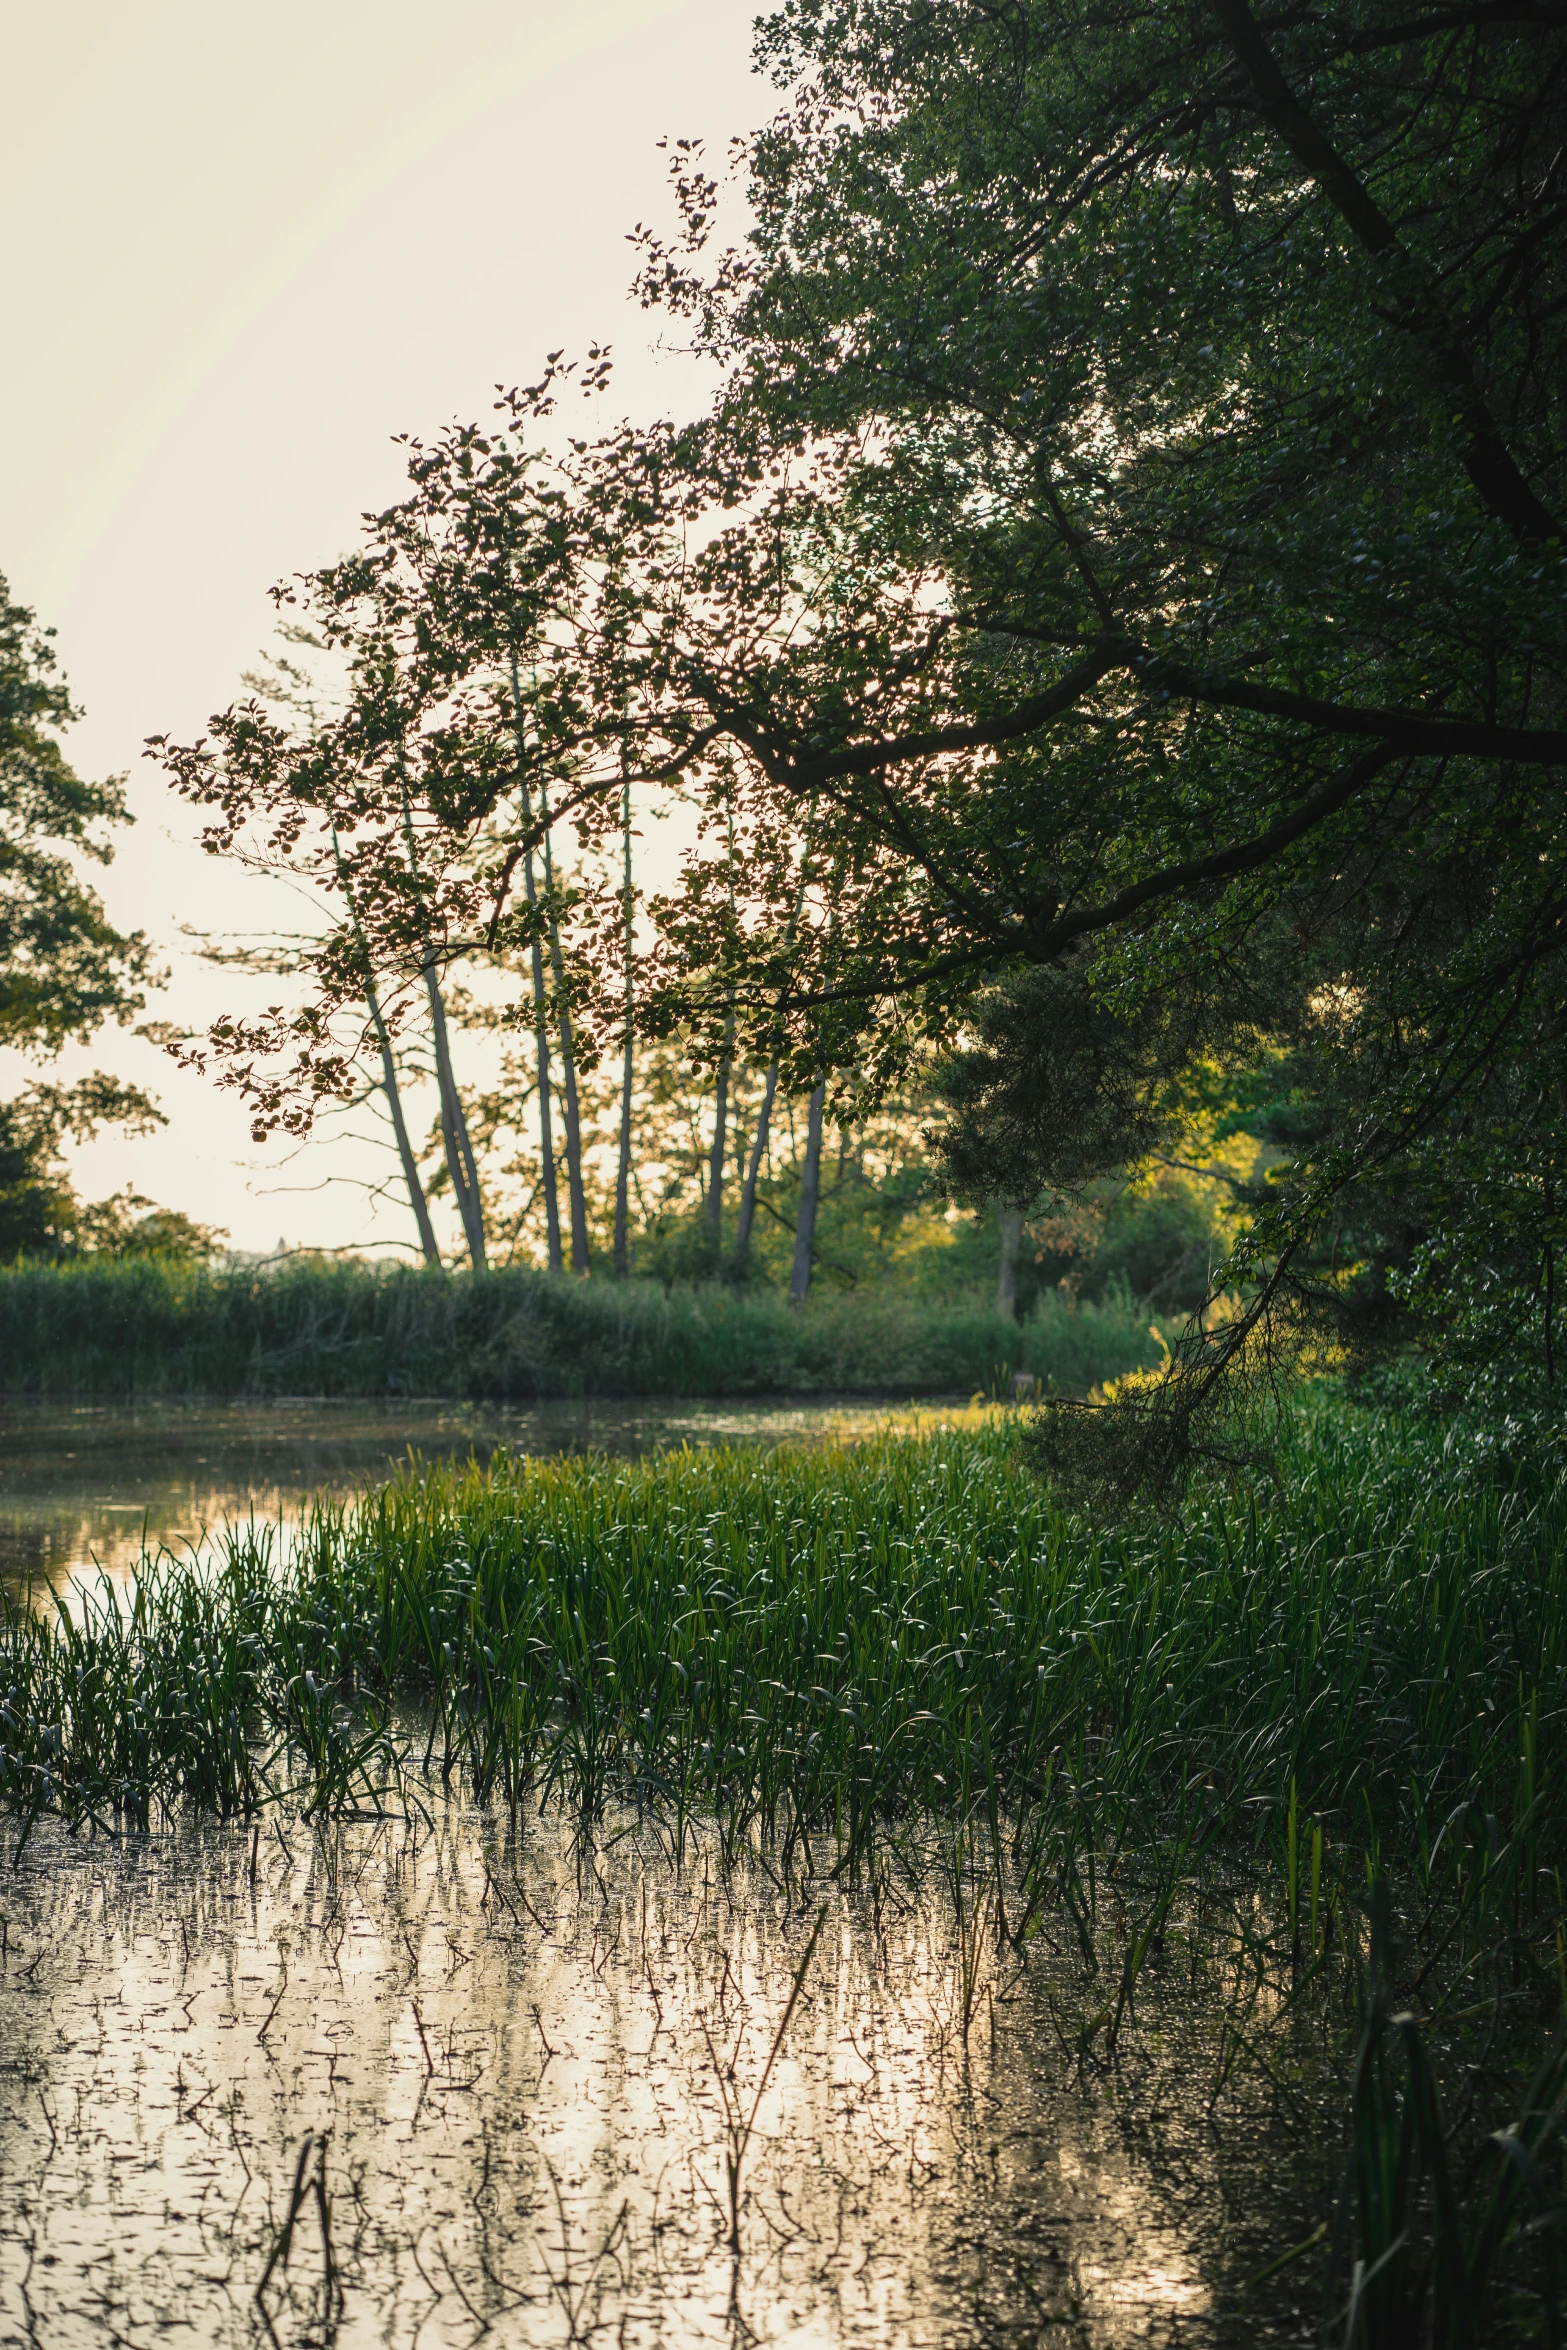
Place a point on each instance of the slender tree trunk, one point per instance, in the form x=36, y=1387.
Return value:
x=389, y=1084
x=764, y=1116
x=1011, y=1222
x=454, y=1127
x=541, y=1045
x=810, y=1194
x=623, y=1169
x=764, y=1119
x=405, y=1153
x=568, y=1066
x=725, y=1072
x=541, y=1034
x=715, y=1161
x=454, y=1123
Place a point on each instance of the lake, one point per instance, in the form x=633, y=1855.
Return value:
x=520, y=2066
x=85, y=1484
x=566, y=2086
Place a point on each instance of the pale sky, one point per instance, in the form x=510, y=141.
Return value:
x=244, y=247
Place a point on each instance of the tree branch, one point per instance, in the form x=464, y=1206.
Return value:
x=1417, y=304
x=1221, y=865
x=1410, y=731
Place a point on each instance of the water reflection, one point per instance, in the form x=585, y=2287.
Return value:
x=526, y=2065
x=92, y=1482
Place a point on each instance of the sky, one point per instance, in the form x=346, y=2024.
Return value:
x=246, y=246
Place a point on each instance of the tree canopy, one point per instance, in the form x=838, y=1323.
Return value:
x=64, y=969
x=1127, y=549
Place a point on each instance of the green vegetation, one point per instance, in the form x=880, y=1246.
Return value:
x=159, y=1326
x=826, y=1641
x=1323, y=1733
x=1111, y=622
x=64, y=971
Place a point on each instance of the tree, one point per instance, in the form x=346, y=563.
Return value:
x=360, y=800
x=1185, y=397
x=40, y=1214
x=1129, y=533
x=64, y=969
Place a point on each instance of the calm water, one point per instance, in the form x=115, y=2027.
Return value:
x=91, y=1483
x=526, y=2064
x=521, y=2065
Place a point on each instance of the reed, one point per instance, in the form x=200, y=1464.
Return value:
x=814, y=1645
x=1249, y=1728
x=150, y=1327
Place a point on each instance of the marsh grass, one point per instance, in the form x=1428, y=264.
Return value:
x=904, y=1660
x=815, y=1647
x=150, y=1327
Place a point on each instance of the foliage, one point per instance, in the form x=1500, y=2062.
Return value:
x=1112, y=622
x=63, y=968
x=175, y=1325
x=40, y=1214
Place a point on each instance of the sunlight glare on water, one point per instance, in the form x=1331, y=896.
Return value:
x=85, y=1485
x=528, y=2063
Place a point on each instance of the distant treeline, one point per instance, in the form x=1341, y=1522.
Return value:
x=154, y=1327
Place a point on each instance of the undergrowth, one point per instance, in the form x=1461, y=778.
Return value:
x=154, y=1327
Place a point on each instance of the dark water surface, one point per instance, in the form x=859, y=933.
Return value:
x=90, y=1483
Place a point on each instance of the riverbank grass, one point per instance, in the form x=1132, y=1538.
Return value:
x=146, y=1327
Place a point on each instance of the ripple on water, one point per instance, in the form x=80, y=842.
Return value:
x=527, y=2062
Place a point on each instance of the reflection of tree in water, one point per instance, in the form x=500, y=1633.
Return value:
x=502, y=2046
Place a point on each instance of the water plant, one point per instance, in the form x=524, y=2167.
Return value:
x=826, y=1648
x=905, y=1659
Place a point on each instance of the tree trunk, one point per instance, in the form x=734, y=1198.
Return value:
x=389, y=1084
x=568, y=1066
x=1011, y=1222
x=810, y=1193
x=623, y=1167
x=405, y=1153
x=454, y=1127
x=764, y=1119
x=541, y=1043
x=715, y=1161
x=454, y=1123
x=541, y=1034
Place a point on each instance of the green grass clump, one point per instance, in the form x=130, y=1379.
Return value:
x=148, y=1327
x=812, y=1643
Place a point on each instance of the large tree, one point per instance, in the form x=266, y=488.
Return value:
x=1128, y=541
x=1195, y=389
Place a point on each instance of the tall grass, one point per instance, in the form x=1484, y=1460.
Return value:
x=146, y=1328
x=1240, y=1728
x=810, y=1643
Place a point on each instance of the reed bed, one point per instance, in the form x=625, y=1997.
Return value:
x=1312, y=1734
x=815, y=1645
x=152, y=1327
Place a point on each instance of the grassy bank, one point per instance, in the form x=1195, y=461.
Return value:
x=150, y=1328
